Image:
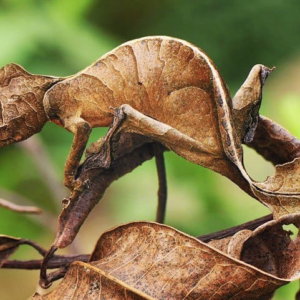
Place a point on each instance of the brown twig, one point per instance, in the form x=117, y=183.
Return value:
x=45, y=281
x=37, y=247
x=162, y=188
x=57, y=261
x=19, y=208
x=232, y=230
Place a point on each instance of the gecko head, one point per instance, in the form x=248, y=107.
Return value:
x=76, y=209
x=21, y=103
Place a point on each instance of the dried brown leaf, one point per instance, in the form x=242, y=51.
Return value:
x=165, y=89
x=21, y=99
x=189, y=112
x=84, y=281
x=268, y=247
x=163, y=263
x=272, y=249
x=173, y=83
x=232, y=245
x=274, y=142
x=281, y=191
x=8, y=245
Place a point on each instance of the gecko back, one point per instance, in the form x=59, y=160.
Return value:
x=164, y=78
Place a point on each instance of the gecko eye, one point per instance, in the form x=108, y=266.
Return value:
x=57, y=120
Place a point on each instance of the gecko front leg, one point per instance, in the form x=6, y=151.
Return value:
x=81, y=130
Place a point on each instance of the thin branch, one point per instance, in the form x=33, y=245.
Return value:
x=19, y=208
x=37, y=247
x=45, y=282
x=162, y=188
x=231, y=231
x=56, y=275
x=56, y=262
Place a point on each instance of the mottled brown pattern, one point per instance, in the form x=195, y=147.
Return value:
x=274, y=142
x=161, y=78
x=162, y=88
x=166, y=79
x=84, y=282
x=174, y=266
x=162, y=263
x=160, y=93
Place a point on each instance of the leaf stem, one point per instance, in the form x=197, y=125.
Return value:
x=231, y=231
x=162, y=187
x=56, y=262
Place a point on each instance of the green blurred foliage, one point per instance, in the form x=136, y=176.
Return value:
x=60, y=37
x=236, y=34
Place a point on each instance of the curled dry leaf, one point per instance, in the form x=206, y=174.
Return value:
x=163, y=88
x=21, y=99
x=163, y=263
x=281, y=192
x=272, y=248
x=232, y=245
x=166, y=90
x=8, y=245
x=280, y=145
x=274, y=142
x=268, y=247
x=168, y=80
x=189, y=112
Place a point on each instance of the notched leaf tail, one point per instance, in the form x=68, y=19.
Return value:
x=247, y=100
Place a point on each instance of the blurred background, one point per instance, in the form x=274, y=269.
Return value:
x=61, y=37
